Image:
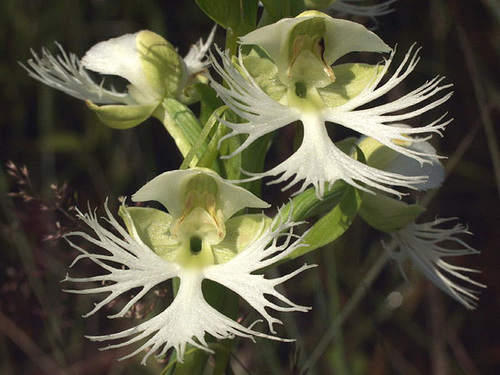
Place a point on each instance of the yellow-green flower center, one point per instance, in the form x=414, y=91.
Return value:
x=306, y=62
x=201, y=224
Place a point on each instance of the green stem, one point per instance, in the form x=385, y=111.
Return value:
x=340, y=362
x=363, y=288
x=188, y=160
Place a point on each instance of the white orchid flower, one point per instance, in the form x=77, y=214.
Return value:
x=199, y=239
x=424, y=245
x=296, y=82
x=146, y=60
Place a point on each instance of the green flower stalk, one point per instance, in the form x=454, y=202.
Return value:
x=200, y=238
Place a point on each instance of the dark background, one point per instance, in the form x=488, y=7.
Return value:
x=59, y=140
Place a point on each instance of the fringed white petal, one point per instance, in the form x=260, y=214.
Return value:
x=263, y=114
x=189, y=317
x=196, y=60
x=185, y=321
x=377, y=122
x=320, y=163
x=237, y=273
x=142, y=267
x=66, y=73
x=421, y=243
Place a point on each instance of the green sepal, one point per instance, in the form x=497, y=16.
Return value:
x=239, y=16
x=350, y=80
x=378, y=155
x=152, y=226
x=265, y=73
x=119, y=116
x=240, y=231
x=161, y=64
x=388, y=214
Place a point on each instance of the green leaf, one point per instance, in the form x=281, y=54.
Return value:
x=208, y=158
x=238, y=15
x=332, y=225
x=307, y=204
x=195, y=361
x=231, y=166
x=253, y=158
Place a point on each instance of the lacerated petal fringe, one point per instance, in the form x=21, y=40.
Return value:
x=420, y=243
x=245, y=98
x=196, y=59
x=261, y=252
x=378, y=123
x=131, y=264
x=320, y=163
x=65, y=73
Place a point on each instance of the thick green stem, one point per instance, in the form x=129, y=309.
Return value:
x=181, y=123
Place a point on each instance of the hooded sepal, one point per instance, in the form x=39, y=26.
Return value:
x=122, y=116
x=312, y=39
x=170, y=187
x=387, y=214
x=145, y=59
